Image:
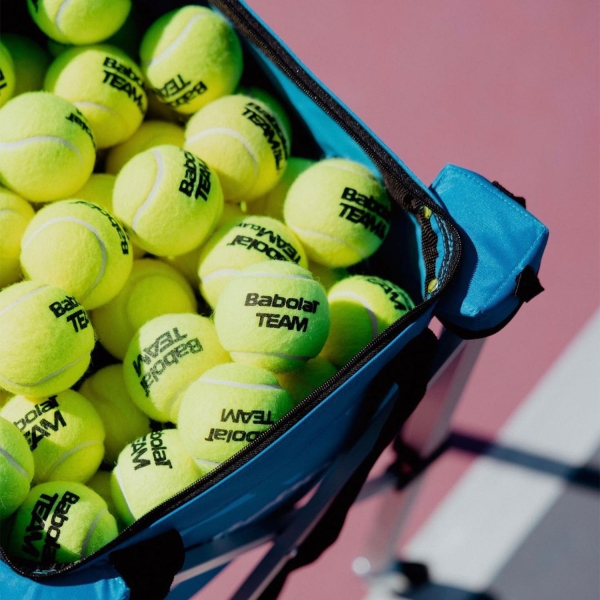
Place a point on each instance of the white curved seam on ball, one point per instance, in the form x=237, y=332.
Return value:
x=277, y=275
x=275, y=354
x=90, y=532
x=243, y=386
x=348, y=169
x=48, y=377
x=70, y=453
x=364, y=304
x=178, y=40
x=358, y=251
x=117, y=473
x=98, y=237
x=232, y=133
x=201, y=462
x=59, y=14
x=11, y=459
x=220, y=273
x=41, y=138
x=160, y=168
x=22, y=299
x=8, y=210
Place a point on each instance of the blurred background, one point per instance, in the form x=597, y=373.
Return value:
x=510, y=89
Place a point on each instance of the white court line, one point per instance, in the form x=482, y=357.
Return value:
x=495, y=506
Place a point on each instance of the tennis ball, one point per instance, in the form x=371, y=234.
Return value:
x=273, y=315
x=15, y=214
x=271, y=204
x=243, y=141
x=339, y=210
x=149, y=471
x=5, y=396
x=168, y=199
x=361, y=306
x=100, y=483
x=79, y=22
x=153, y=289
x=79, y=247
x=187, y=265
x=105, y=85
x=305, y=380
x=327, y=276
x=150, y=134
x=190, y=57
x=60, y=522
x=16, y=468
x=47, y=148
x=240, y=243
x=30, y=62
x=123, y=420
x=64, y=432
x=46, y=338
x=7, y=75
x=227, y=408
x=165, y=356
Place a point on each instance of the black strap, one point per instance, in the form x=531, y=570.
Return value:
x=412, y=370
x=527, y=285
x=148, y=568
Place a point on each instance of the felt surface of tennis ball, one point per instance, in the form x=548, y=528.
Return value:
x=105, y=85
x=239, y=243
x=30, y=62
x=243, y=141
x=15, y=214
x=100, y=483
x=305, y=380
x=168, y=199
x=60, y=522
x=165, y=356
x=16, y=468
x=339, y=210
x=64, y=432
x=149, y=471
x=273, y=315
x=361, y=306
x=187, y=265
x=123, y=421
x=153, y=289
x=327, y=276
x=190, y=57
x=47, y=149
x=227, y=408
x=7, y=75
x=79, y=22
x=150, y=134
x=47, y=339
x=79, y=247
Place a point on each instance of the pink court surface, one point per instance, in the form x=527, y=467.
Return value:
x=510, y=89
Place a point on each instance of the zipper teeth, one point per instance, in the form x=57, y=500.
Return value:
x=380, y=156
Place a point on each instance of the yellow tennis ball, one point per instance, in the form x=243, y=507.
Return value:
x=150, y=134
x=187, y=265
x=79, y=22
x=361, y=306
x=64, y=432
x=271, y=204
x=15, y=214
x=47, y=148
x=79, y=247
x=46, y=338
x=228, y=407
x=7, y=75
x=165, y=356
x=153, y=289
x=190, y=57
x=16, y=468
x=305, y=380
x=273, y=315
x=168, y=199
x=30, y=62
x=100, y=483
x=105, y=85
x=327, y=276
x=123, y=421
x=60, y=522
x=339, y=210
x=243, y=141
x=149, y=471
x=240, y=243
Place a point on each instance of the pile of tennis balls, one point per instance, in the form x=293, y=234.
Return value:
x=152, y=213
